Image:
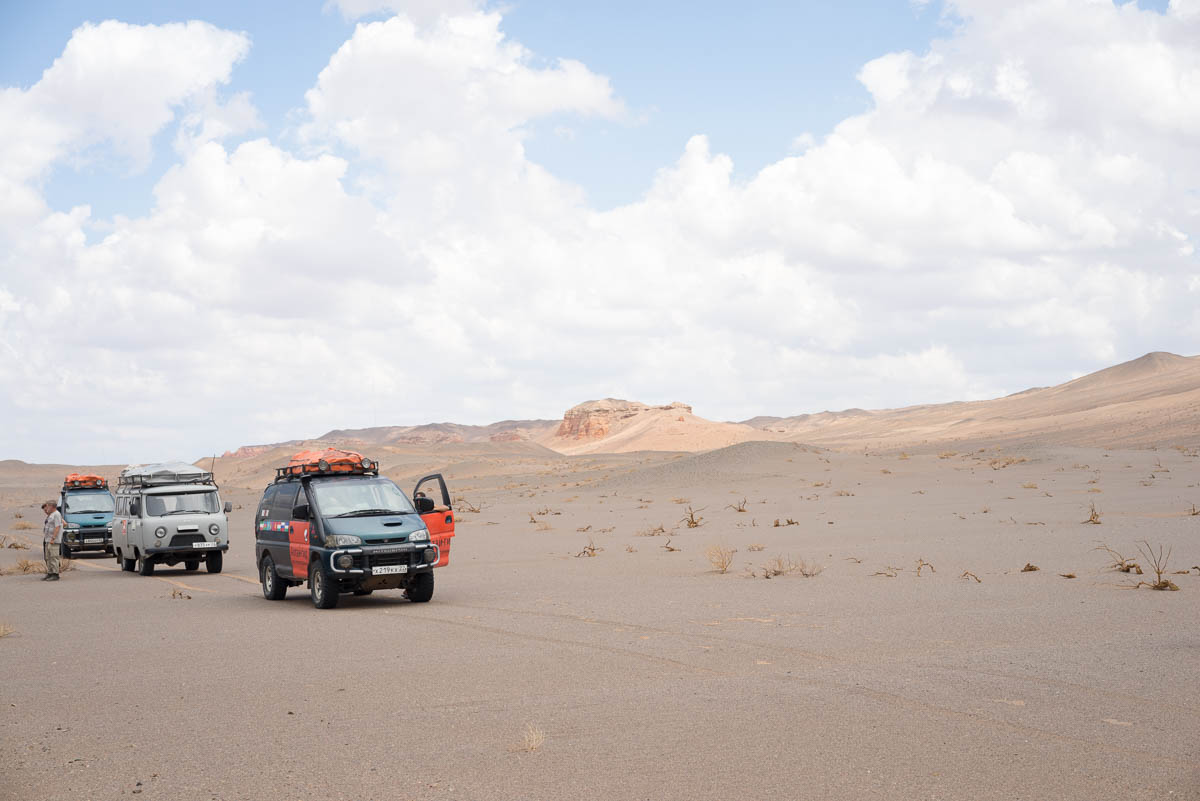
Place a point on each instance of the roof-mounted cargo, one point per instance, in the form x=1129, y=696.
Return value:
x=158, y=475
x=84, y=481
x=329, y=462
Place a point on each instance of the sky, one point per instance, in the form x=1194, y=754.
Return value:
x=228, y=223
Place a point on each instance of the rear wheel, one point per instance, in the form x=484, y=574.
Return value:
x=323, y=591
x=421, y=588
x=273, y=589
x=144, y=566
x=192, y=564
x=214, y=562
x=127, y=565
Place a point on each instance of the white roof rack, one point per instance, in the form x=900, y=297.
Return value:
x=154, y=475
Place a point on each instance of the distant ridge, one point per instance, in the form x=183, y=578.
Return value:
x=1150, y=401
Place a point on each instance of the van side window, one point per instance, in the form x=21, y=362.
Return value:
x=281, y=506
x=264, y=506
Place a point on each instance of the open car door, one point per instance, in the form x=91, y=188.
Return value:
x=440, y=521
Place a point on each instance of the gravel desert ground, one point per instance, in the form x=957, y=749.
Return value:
x=581, y=644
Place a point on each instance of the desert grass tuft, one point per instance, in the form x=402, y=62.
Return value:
x=720, y=557
x=1093, y=516
x=5, y=630
x=179, y=594
x=669, y=548
x=691, y=519
x=1030, y=568
x=967, y=574
x=591, y=549
x=532, y=739
x=651, y=532
x=22, y=525
x=921, y=563
x=738, y=507
x=25, y=566
x=888, y=572
x=787, y=522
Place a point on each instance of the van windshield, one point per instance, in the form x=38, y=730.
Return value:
x=361, y=498
x=79, y=503
x=182, y=503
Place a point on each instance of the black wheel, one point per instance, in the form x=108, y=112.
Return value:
x=363, y=592
x=214, y=562
x=420, y=590
x=192, y=564
x=144, y=566
x=127, y=565
x=322, y=589
x=273, y=589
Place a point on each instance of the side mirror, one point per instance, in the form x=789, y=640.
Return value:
x=424, y=505
x=228, y=507
x=135, y=509
x=300, y=512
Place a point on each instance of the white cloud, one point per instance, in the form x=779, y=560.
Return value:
x=1019, y=198
x=421, y=12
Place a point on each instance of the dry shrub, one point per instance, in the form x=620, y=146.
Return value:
x=844, y=494
x=1119, y=562
x=1194, y=511
x=1093, y=516
x=1030, y=568
x=967, y=574
x=921, y=563
x=888, y=572
x=651, y=532
x=22, y=526
x=786, y=566
x=738, y=507
x=17, y=545
x=720, y=557
x=1029, y=485
x=1005, y=461
x=788, y=522
x=1067, y=575
x=18, y=515
x=591, y=549
x=680, y=501
x=691, y=519
x=180, y=595
x=1158, y=563
x=583, y=529
x=754, y=546
x=26, y=566
x=5, y=630
x=630, y=549
x=466, y=506
x=885, y=472
x=947, y=454
x=531, y=739
x=669, y=548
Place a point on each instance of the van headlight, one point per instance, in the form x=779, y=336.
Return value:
x=160, y=532
x=341, y=540
x=420, y=536
x=214, y=529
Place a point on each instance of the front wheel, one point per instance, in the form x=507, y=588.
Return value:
x=421, y=588
x=128, y=565
x=192, y=564
x=214, y=562
x=273, y=589
x=323, y=591
x=144, y=566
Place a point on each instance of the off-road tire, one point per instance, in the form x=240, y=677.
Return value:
x=144, y=566
x=192, y=564
x=214, y=562
x=273, y=587
x=420, y=589
x=321, y=588
x=128, y=565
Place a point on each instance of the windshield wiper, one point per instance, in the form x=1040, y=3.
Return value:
x=86, y=511
x=186, y=512
x=370, y=512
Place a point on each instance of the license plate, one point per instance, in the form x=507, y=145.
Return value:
x=92, y=541
x=388, y=569
x=204, y=545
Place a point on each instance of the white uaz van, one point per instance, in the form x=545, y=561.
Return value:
x=167, y=514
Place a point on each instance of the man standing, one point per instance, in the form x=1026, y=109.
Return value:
x=52, y=531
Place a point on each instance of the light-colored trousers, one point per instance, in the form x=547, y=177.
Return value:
x=50, y=551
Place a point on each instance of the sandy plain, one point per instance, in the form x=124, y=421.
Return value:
x=640, y=672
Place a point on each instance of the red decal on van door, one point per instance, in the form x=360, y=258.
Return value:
x=441, y=529
x=298, y=548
